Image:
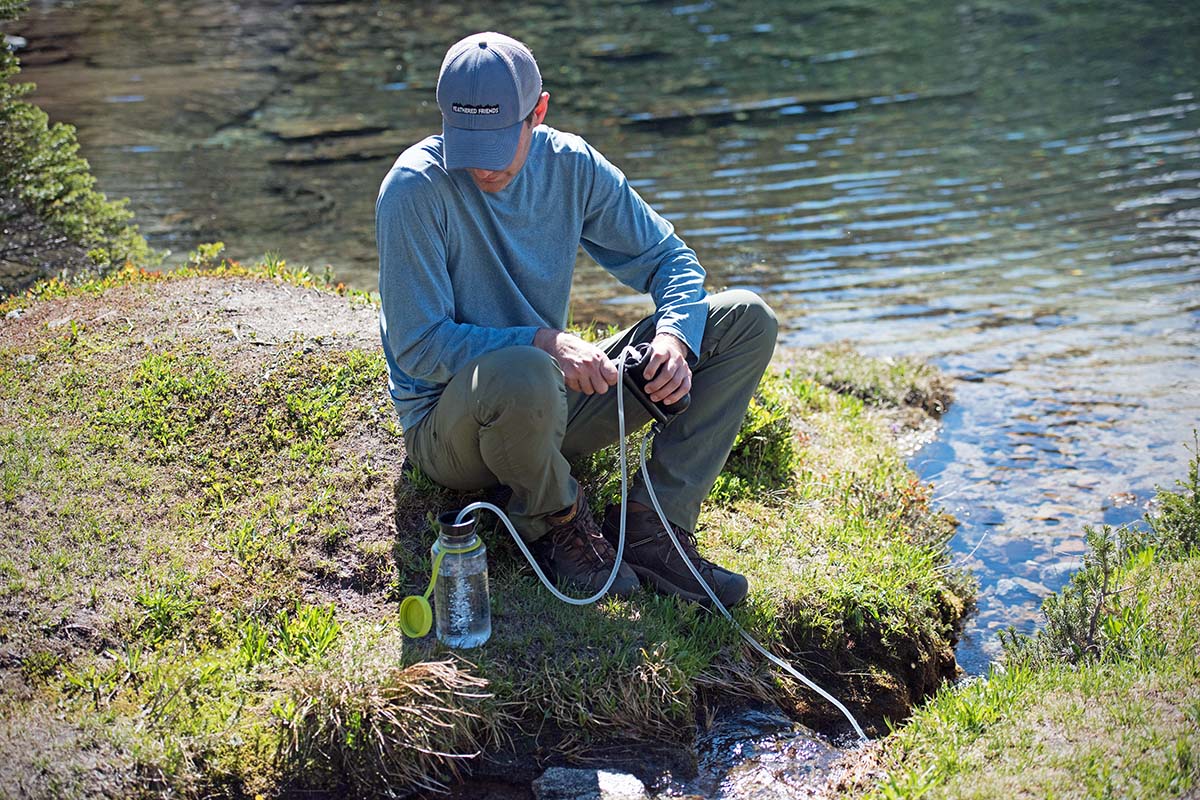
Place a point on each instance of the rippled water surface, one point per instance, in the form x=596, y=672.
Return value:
x=1009, y=189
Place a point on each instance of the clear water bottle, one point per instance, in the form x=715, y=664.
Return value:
x=462, y=607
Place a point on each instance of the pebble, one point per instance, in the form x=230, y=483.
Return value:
x=1121, y=500
x=14, y=314
x=1033, y=587
x=1070, y=546
x=1053, y=512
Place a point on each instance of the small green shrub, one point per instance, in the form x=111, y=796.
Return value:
x=47, y=187
x=1102, y=614
x=1175, y=529
x=1073, y=630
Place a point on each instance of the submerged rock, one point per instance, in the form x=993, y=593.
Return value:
x=620, y=47
x=683, y=110
x=310, y=128
x=347, y=148
x=561, y=783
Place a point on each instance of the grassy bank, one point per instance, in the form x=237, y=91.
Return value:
x=208, y=531
x=1104, y=701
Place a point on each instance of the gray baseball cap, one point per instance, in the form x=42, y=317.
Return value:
x=488, y=85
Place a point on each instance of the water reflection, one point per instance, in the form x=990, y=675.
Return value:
x=1010, y=191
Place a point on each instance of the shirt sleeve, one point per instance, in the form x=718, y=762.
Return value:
x=630, y=240
x=417, y=320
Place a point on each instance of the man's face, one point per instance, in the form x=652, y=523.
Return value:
x=493, y=180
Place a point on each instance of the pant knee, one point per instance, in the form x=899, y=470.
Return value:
x=759, y=315
x=524, y=381
x=752, y=320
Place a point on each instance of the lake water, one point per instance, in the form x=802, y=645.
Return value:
x=1009, y=192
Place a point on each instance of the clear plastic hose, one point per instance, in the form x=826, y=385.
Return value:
x=612, y=576
x=774, y=659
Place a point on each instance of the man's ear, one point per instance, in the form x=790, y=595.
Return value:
x=539, y=110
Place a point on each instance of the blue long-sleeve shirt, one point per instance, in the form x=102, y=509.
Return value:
x=463, y=272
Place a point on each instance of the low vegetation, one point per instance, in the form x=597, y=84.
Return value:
x=1100, y=702
x=209, y=530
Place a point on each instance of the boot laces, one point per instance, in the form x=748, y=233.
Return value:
x=688, y=540
x=582, y=535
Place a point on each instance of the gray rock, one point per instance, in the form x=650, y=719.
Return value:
x=560, y=783
x=1005, y=586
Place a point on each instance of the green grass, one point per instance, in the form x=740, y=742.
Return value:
x=209, y=547
x=880, y=382
x=1102, y=702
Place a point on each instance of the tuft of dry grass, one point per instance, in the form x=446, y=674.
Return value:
x=367, y=726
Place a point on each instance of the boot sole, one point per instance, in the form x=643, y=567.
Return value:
x=618, y=589
x=667, y=587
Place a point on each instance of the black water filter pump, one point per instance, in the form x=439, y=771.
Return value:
x=635, y=359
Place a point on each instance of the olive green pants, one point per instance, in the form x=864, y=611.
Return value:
x=508, y=419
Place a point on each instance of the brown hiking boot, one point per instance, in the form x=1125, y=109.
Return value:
x=652, y=555
x=574, y=550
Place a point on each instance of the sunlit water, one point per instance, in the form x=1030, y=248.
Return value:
x=1009, y=193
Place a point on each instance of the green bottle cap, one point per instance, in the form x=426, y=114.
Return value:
x=416, y=616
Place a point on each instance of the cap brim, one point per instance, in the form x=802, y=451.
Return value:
x=494, y=149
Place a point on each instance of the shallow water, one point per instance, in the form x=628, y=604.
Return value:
x=1009, y=192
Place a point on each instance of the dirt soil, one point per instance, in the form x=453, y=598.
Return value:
x=249, y=326
x=244, y=317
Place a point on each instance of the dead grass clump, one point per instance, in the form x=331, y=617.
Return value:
x=371, y=727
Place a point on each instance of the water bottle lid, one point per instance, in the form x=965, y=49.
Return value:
x=416, y=617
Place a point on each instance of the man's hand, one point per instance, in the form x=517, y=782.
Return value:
x=586, y=368
x=667, y=371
